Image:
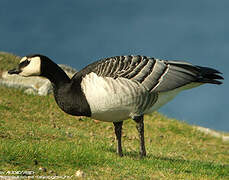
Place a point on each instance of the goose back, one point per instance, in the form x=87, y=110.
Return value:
x=154, y=74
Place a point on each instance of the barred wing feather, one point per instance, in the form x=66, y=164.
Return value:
x=154, y=74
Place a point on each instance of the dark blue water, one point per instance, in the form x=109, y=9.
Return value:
x=79, y=32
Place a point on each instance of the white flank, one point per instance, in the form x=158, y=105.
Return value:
x=112, y=99
x=118, y=99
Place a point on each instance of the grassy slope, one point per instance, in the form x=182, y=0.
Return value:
x=35, y=133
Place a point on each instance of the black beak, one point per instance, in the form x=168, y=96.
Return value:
x=14, y=71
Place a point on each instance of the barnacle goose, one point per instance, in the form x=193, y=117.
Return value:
x=117, y=88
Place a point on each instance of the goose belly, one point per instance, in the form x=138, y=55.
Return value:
x=162, y=99
x=115, y=100
x=165, y=97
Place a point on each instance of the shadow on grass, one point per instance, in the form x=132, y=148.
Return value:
x=178, y=165
x=131, y=154
x=191, y=166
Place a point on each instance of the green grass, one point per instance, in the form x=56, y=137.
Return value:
x=35, y=133
x=8, y=61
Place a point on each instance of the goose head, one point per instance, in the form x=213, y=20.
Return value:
x=28, y=66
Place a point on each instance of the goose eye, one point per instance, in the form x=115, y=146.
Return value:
x=24, y=63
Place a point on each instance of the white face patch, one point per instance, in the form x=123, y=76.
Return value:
x=23, y=59
x=33, y=68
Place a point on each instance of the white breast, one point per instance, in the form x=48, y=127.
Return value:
x=114, y=99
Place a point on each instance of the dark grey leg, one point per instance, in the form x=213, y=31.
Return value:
x=118, y=133
x=140, y=127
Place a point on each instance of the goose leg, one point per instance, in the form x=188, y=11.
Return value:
x=118, y=133
x=140, y=127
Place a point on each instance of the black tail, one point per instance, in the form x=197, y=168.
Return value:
x=208, y=75
x=201, y=74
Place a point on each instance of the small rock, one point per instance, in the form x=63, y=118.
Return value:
x=225, y=138
x=69, y=134
x=45, y=89
x=53, y=172
x=79, y=173
x=91, y=134
x=109, y=128
x=42, y=169
x=30, y=91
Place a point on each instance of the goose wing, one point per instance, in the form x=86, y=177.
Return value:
x=154, y=74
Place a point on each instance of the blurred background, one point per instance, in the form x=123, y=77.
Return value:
x=77, y=33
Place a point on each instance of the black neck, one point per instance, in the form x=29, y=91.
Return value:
x=54, y=73
x=67, y=92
